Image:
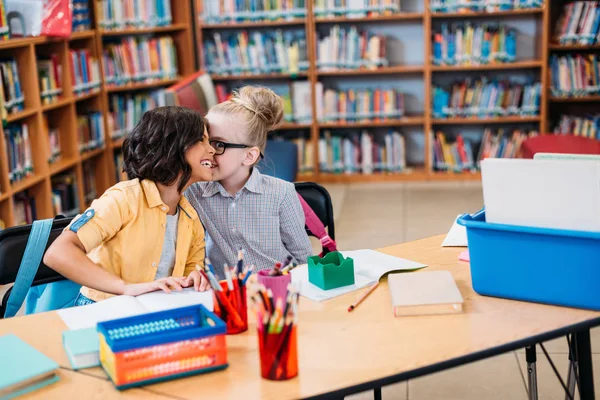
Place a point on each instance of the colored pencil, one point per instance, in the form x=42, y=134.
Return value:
x=363, y=296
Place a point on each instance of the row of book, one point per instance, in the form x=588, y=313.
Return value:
x=351, y=48
x=355, y=8
x=121, y=175
x=217, y=11
x=49, y=75
x=24, y=209
x=81, y=16
x=459, y=156
x=483, y=98
x=12, y=96
x=454, y=6
x=85, y=72
x=471, y=44
x=362, y=153
x=586, y=126
x=223, y=93
x=361, y=105
x=123, y=14
x=18, y=149
x=139, y=59
x=579, y=23
x=575, y=75
x=126, y=110
x=65, y=195
x=90, y=131
x=256, y=52
x=55, y=146
x=89, y=182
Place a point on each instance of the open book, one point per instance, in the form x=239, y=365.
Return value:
x=127, y=306
x=369, y=267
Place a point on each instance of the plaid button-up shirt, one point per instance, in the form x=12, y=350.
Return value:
x=264, y=218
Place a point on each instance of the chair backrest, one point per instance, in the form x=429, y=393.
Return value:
x=319, y=200
x=568, y=144
x=281, y=160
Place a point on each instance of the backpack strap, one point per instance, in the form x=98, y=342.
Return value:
x=315, y=225
x=34, y=251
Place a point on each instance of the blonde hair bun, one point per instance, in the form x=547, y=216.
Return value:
x=263, y=102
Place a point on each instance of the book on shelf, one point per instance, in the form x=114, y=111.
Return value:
x=218, y=11
x=125, y=110
x=81, y=16
x=18, y=148
x=361, y=105
x=300, y=93
x=255, y=52
x=55, y=147
x=351, y=48
x=89, y=182
x=65, y=195
x=575, y=75
x=121, y=175
x=85, y=72
x=4, y=27
x=196, y=91
x=474, y=44
x=134, y=14
x=49, y=74
x=579, y=23
x=466, y=6
x=139, y=60
x=362, y=153
x=24, y=208
x=90, y=131
x=12, y=96
x=586, y=126
x=484, y=98
x=306, y=152
x=355, y=8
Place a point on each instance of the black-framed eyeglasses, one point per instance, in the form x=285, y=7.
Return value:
x=220, y=147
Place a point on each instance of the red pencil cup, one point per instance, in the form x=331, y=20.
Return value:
x=232, y=307
x=278, y=284
x=278, y=354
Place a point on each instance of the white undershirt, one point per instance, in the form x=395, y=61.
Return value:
x=167, y=258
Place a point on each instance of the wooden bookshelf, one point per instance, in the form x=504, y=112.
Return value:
x=579, y=99
x=392, y=70
x=509, y=13
x=488, y=67
x=254, y=24
x=403, y=16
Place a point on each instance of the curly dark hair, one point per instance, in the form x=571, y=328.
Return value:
x=155, y=148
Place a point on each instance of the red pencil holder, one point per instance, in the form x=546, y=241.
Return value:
x=278, y=354
x=278, y=284
x=232, y=307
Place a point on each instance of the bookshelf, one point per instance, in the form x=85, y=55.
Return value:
x=78, y=177
x=418, y=72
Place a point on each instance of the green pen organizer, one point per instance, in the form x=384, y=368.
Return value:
x=332, y=271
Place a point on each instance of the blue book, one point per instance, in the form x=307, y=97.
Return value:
x=82, y=347
x=23, y=368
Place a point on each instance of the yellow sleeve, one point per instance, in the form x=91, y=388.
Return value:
x=197, y=249
x=102, y=220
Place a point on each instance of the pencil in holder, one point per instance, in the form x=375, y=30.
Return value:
x=278, y=353
x=232, y=307
x=277, y=283
x=160, y=346
x=332, y=271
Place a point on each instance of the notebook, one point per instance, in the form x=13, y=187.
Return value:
x=542, y=193
x=457, y=236
x=128, y=306
x=23, y=368
x=565, y=156
x=82, y=347
x=424, y=293
x=196, y=92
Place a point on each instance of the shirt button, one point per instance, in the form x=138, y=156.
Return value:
x=164, y=226
x=232, y=205
x=164, y=208
x=154, y=264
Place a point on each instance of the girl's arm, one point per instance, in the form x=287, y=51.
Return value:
x=292, y=220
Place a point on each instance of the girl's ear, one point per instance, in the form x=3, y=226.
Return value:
x=252, y=156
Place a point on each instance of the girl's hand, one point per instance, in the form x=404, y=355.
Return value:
x=164, y=284
x=199, y=282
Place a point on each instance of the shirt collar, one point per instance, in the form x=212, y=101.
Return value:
x=154, y=200
x=253, y=184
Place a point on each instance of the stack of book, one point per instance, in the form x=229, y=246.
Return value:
x=575, y=75
x=4, y=27
x=218, y=11
x=579, y=23
x=256, y=53
x=121, y=175
x=355, y=8
x=362, y=153
x=81, y=16
x=49, y=73
x=502, y=144
x=139, y=59
x=24, y=209
x=456, y=157
x=483, y=98
x=90, y=131
x=454, y=6
x=470, y=44
x=305, y=153
x=126, y=110
x=350, y=48
x=89, y=182
x=55, y=148
x=18, y=149
x=361, y=105
x=85, y=72
x=65, y=196
x=586, y=126
x=11, y=95
x=126, y=14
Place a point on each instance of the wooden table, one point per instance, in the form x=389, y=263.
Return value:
x=341, y=353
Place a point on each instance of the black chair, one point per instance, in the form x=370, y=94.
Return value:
x=317, y=197
x=12, y=247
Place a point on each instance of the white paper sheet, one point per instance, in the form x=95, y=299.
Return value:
x=457, y=236
x=160, y=301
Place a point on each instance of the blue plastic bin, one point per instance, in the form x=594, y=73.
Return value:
x=552, y=266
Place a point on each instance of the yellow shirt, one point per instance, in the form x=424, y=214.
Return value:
x=123, y=232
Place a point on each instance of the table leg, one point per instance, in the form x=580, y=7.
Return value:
x=572, y=377
x=584, y=359
x=377, y=393
x=531, y=359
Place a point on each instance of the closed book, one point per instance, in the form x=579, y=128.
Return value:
x=23, y=368
x=82, y=347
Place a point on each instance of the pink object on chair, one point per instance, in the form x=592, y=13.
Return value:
x=566, y=144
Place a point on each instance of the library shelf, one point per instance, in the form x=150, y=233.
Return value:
x=288, y=126
x=143, y=31
x=401, y=16
x=61, y=102
x=580, y=99
x=87, y=96
x=86, y=155
x=489, y=120
x=26, y=183
x=285, y=75
x=488, y=67
x=141, y=85
x=406, y=121
x=82, y=35
x=573, y=47
x=26, y=113
x=62, y=164
x=252, y=24
x=453, y=176
x=507, y=13
x=4, y=196
x=396, y=69
x=117, y=143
